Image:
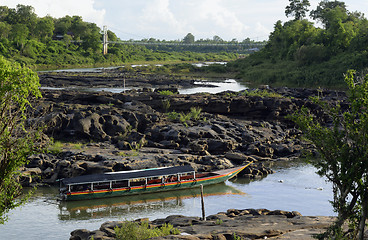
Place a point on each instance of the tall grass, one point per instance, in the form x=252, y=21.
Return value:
x=140, y=231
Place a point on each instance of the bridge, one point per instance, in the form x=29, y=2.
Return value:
x=246, y=46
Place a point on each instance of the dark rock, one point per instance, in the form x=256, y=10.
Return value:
x=80, y=234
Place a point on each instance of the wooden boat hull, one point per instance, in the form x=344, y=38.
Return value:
x=220, y=176
x=120, y=206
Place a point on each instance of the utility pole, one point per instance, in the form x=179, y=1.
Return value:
x=105, y=40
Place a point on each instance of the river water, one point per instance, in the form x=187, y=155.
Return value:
x=293, y=187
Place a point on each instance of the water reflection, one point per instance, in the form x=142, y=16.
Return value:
x=148, y=203
x=299, y=191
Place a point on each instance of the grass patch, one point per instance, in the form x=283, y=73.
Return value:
x=166, y=93
x=194, y=114
x=140, y=231
x=262, y=93
x=56, y=147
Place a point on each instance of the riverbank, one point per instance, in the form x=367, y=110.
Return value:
x=144, y=128
x=100, y=132
x=232, y=224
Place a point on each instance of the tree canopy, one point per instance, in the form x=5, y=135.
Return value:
x=300, y=54
x=343, y=148
x=297, y=8
x=61, y=42
x=18, y=85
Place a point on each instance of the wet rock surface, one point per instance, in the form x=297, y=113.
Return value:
x=106, y=132
x=244, y=224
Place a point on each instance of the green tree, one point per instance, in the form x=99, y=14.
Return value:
x=63, y=25
x=78, y=28
x=111, y=36
x=44, y=28
x=67, y=39
x=4, y=30
x=92, y=38
x=22, y=15
x=19, y=34
x=297, y=8
x=217, y=39
x=343, y=148
x=17, y=86
x=189, y=38
x=321, y=13
x=4, y=11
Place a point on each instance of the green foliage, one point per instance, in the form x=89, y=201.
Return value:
x=173, y=115
x=166, y=93
x=262, y=93
x=195, y=113
x=189, y=38
x=56, y=147
x=236, y=237
x=299, y=54
x=343, y=147
x=184, y=118
x=18, y=140
x=219, y=222
x=166, y=104
x=297, y=8
x=135, y=146
x=69, y=41
x=141, y=231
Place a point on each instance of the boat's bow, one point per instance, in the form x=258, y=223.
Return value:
x=232, y=172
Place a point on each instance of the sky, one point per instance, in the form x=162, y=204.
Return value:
x=174, y=19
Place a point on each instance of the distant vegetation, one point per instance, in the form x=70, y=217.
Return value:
x=300, y=54
x=69, y=41
x=216, y=44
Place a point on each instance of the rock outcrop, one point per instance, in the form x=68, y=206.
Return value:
x=143, y=129
x=244, y=224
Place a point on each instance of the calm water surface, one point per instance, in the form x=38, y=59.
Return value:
x=294, y=186
x=204, y=86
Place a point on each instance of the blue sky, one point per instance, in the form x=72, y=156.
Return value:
x=173, y=19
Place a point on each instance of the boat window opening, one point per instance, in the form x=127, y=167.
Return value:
x=120, y=184
x=153, y=180
x=138, y=182
x=101, y=185
x=79, y=187
x=202, y=175
x=187, y=176
x=171, y=178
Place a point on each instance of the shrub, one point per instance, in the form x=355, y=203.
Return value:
x=56, y=147
x=195, y=113
x=166, y=93
x=139, y=231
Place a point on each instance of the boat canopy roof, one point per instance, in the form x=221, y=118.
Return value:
x=125, y=175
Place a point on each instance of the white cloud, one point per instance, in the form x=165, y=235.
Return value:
x=173, y=19
x=157, y=16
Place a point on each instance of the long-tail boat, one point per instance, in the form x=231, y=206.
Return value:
x=122, y=183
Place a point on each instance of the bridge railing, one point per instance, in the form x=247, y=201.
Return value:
x=250, y=45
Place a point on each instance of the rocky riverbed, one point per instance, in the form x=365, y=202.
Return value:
x=104, y=132
x=243, y=224
x=143, y=128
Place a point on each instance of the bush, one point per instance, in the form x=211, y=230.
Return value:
x=140, y=231
x=166, y=93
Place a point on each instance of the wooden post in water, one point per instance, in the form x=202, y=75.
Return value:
x=202, y=201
